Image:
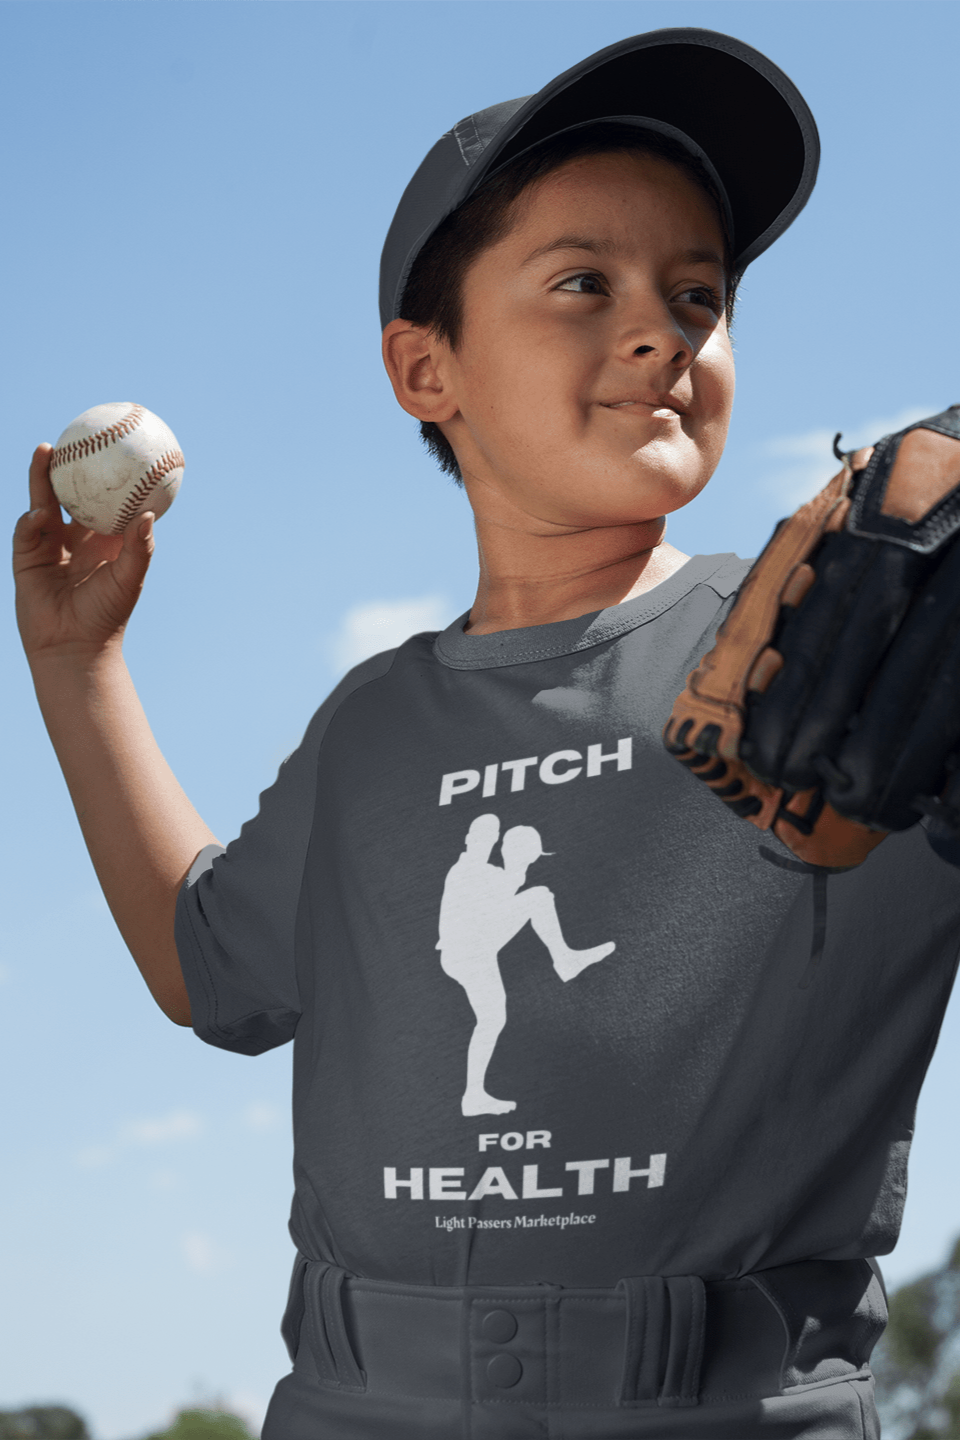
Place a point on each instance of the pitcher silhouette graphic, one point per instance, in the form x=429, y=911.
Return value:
x=483, y=907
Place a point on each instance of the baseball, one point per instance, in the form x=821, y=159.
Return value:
x=114, y=462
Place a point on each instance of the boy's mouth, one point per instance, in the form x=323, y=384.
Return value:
x=661, y=407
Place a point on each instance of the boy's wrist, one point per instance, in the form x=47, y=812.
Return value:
x=76, y=670
x=77, y=656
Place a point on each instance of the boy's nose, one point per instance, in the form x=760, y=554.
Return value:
x=652, y=330
x=683, y=355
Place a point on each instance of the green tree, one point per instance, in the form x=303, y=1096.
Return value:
x=917, y=1363
x=203, y=1424
x=42, y=1422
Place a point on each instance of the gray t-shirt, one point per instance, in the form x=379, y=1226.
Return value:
x=557, y=1014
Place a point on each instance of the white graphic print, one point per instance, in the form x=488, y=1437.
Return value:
x=483, y=907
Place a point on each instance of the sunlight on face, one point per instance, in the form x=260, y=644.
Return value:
x=594, y=378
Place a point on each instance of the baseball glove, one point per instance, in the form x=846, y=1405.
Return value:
x=829, y=708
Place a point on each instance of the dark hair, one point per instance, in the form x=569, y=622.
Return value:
x=433, y=294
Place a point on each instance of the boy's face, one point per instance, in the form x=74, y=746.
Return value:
x=594, y=378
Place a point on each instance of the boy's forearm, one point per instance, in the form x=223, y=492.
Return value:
x=140, y=829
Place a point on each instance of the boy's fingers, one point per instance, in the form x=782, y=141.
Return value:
x=139, y=533
x=41, y=491
x=137, y=551
x=27, y=529
x=33, y=527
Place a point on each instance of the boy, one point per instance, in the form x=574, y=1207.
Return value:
x=665, y=1230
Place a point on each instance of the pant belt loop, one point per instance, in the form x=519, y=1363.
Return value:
x=671, y=1308
x=646, y=1298
x=688, y=1311
x=323, y=1286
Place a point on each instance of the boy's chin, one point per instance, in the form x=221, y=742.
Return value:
x=569, y=487
x=628, y=504
x=668, y=485
x=641, y=489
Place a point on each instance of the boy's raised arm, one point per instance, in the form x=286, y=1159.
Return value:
x=75, y=592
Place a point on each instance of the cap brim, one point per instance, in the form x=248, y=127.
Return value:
x=733, y=103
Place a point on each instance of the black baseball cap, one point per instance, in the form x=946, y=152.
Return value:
x=728, y=104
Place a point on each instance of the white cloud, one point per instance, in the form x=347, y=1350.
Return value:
x=200, y=1252
x=261, y=1116
x=159, y=1130
x=367, y=629
x=178, y=1125
x=804, y=463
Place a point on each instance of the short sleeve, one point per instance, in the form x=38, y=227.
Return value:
x=728, y=577
x=237, y=908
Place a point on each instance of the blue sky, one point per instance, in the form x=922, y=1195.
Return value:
x=196, y=195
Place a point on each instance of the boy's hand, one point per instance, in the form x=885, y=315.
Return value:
x=829, y=708
x=75, y=588
x=75, y=592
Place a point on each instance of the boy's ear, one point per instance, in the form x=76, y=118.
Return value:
x=416, y=363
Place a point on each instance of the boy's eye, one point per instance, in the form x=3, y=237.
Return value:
x=585, y=284
x=701, y=295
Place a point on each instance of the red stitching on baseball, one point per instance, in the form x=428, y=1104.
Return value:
x=172, y=460
x=77, y=449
